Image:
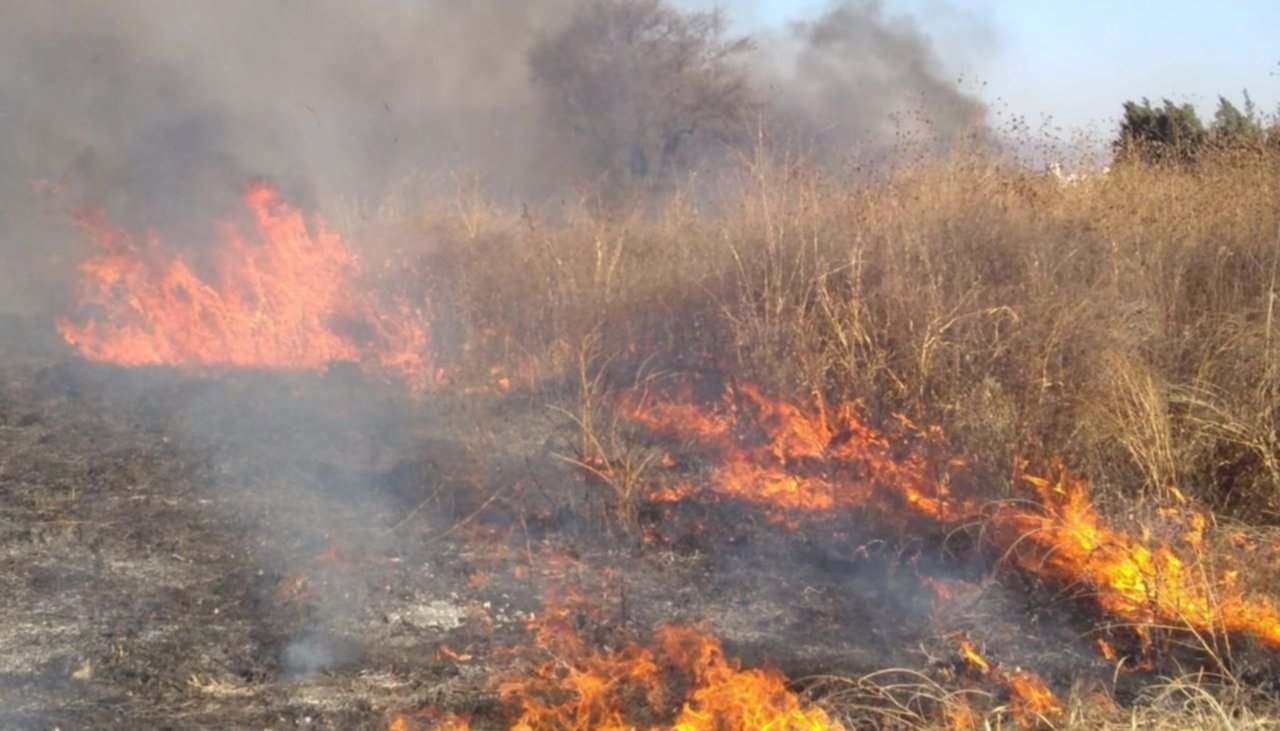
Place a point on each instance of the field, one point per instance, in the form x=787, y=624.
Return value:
x=951, y=444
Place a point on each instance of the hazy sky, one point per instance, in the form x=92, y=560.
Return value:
x=1078, y=60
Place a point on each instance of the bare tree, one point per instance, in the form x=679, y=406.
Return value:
x=638, y=88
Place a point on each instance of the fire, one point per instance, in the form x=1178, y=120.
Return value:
x=796, y=461
x=429, y=720
x=973, y=658
x=727, y=696
x=1107, y=650
x=631, y=685
x=1133, y=578
x=791, y=459
x=1030, y=697
x=960, y=716
x=288, y=299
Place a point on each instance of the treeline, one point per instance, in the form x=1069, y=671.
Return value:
x=1175, y=132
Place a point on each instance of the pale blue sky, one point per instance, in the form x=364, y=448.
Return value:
x=1078, y=60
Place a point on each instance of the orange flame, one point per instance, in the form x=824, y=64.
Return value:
x=288, y=300
x=797, y=461
x=960, y=716
x=726, y=696
x=1147, y=583
x=583, y=689
x=1107, y=649
x=429, y=720
x=802, y=460
x=1031, y=698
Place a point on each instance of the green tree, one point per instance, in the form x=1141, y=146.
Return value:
x=1168, y=132
x=1235, y=128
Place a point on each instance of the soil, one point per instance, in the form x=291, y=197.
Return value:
x=324, y=550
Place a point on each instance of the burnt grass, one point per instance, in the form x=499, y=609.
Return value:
x=235, y=550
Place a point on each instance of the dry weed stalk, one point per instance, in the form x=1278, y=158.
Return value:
x=607, y=450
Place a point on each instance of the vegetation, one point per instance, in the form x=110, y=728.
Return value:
x=1124, y=322
x=1175, y=132
x=634, y=86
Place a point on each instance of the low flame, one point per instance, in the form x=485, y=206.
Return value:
x=1132, y=578
x=429, y=720
x=973, y=658
x=797, y=461
x=580, y=688
x=287, y=300
x=791, y=459
x=1030, y=697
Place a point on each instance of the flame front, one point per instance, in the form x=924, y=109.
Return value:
x=796, y=462
x=290, y=299
x=1146, y=583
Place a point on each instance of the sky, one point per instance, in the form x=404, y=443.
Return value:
x=1074, y=62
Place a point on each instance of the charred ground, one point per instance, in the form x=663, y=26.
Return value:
x=316, y=550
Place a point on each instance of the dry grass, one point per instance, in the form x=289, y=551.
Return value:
x=1126, y=323
x=905, y=699
x=609, y=453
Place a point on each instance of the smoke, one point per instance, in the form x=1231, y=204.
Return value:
x=166, y=101
x=856, y=78
x=158, y=112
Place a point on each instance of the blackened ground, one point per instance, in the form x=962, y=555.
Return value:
x=243, y=550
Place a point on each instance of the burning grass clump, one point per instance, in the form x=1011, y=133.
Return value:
x=590, y=674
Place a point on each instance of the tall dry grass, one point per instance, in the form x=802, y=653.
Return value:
x=1126, y=322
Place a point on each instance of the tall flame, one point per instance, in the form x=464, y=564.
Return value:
x=290, y=299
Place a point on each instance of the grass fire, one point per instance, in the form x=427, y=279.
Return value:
x=620, y=364
x=291, y=300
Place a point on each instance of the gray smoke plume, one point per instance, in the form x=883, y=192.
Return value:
x=857, y=77
x=158, y=111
